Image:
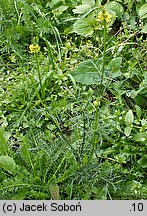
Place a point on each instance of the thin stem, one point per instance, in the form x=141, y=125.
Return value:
x=39, y=74
x=104, y=52
x=50, y=55
x=95, y=132
x=84, y=135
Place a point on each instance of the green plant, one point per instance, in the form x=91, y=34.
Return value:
x=80, y=134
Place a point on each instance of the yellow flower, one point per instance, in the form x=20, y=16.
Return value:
x=34, y=48
x=104, y=15
x=12, y=58
x=97, y=102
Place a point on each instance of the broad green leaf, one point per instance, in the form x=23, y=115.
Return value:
x=61, y=9
x=115, y=64
x=116, y=7
x=3, y=143
x=85, y=159
x=53, y=3
x=138, y=111
x=88, y=72
x=143, y=11
x=7, y=163
x=98, y=3
x=89, y=2
x=54, y=190
x=129, y=119
x=144, y=29
x=84, y=26
x=143, y=161
x=114, y=67
x=140, y=137
x=132, y=93
x=109, y=151
x=81, y=9
x=127, y=131
x=144, y=122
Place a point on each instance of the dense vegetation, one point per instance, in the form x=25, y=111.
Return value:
x=73, y=99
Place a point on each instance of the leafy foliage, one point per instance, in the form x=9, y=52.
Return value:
x=73, y=115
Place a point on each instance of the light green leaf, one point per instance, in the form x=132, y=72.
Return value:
x=127, y=131
x=138, y=111
x=132, y=93
x=98, y=3
x=129, y=119
x=144, y=29
x=7, y=163
x=144, y=122
x=81, y=9
x=54, y=190
x=143, y=11
x=89, y=2
x=143, y=161
x=109, y=151
x=114, y=67
x=84, y=26
x=52, y=3
x=61, y=9
x=3, y=143
x=140, y=137
x=115, y=64
x=88, y=72
x=116, y=7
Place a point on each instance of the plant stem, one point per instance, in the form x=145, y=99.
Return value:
x=50, y=55
x=84, y=135
x=104, y=52
x=95, y=132
x=39, y=75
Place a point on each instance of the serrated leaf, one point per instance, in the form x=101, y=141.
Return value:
x=143, y=11
x=88, y=72
x=81, y=9
x=7, y=163
x=127, y=131
x=144, y=29
x=143, y=161
x=129, y=119
x=116, y=7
